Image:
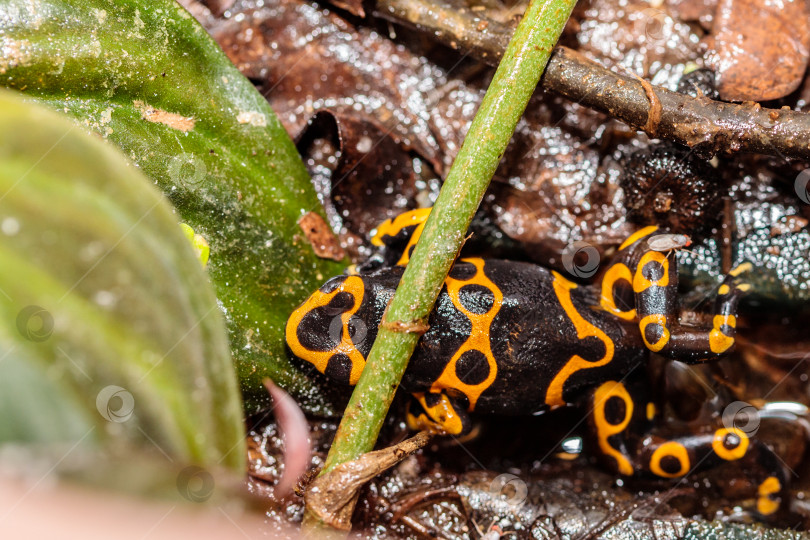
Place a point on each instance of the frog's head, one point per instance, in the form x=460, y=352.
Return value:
x=335, y=327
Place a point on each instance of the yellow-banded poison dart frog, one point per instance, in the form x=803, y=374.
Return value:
x=515, y=338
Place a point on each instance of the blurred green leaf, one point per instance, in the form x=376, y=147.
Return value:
x=146, y=76
x=112, y=342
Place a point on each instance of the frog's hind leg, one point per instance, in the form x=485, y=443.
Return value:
x=438, y=412
x=757, y=465
x=622, y=426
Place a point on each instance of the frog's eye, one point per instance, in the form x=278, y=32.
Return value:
x=666, y=242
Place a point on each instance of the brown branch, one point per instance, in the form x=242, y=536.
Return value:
x=710, y=127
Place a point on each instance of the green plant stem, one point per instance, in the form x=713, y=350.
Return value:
x=513, y=84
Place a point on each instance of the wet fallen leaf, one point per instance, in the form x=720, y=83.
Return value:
x=701, y=11
x=307, y=60
x=320, y=237
x=760, y=48
x=362, y=173
x=645, y=38
x=388, y=104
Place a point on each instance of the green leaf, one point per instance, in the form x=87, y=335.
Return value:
x=146, y=76
x=111, y=340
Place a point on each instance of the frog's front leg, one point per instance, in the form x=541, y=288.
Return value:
x=655, y=284
x=398, y=236
x=437, y=411
x=621, y=420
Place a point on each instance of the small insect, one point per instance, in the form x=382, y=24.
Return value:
x=668, y=242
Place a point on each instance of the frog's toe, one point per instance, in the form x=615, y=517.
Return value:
x=437, y=412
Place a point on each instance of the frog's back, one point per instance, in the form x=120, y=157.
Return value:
x=503, y=332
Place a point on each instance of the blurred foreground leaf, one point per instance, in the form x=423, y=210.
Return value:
x=111, y=342
x=146, y=76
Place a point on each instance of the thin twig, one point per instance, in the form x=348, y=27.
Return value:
x=710, y=127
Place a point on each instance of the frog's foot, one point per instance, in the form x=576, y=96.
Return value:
x=757, y=465
x=656, y=305
x=398, y=236
x=733, y=288
x=736, y=282
x=438, y=412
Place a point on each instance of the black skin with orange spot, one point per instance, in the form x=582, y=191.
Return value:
x=525, y=356
x=515, y=338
